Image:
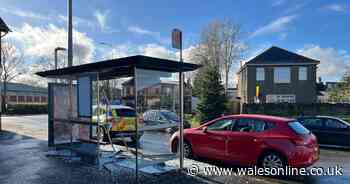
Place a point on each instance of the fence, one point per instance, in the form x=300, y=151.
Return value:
x=292, y=110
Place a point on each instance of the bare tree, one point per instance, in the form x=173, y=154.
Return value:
x=232, y=48
x=221, y=46
x=12, y=65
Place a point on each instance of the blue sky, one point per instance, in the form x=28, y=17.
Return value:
x=317, y=29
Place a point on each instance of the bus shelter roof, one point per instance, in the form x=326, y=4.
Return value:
x=121, y=67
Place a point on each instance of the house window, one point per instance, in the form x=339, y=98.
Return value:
x=260, y=74
x=43, y=99
x=21, y=99
x=280, y=98
x=302, y=73
x=29, y=99
x=282, y=75
x=37, y=99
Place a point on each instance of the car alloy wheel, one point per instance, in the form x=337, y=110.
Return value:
x=187, y=150
x=272, y=160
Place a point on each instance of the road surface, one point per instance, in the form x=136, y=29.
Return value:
x=36, y=126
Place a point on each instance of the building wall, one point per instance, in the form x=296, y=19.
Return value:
x=26, y=98
x=304, y=91
x=242, y=85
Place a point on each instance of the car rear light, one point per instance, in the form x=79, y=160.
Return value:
x=298, y=142
x=141, y=120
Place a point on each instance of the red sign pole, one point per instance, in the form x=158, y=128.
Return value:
x=177, y=43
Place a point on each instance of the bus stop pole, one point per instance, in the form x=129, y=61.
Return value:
x=181, y=112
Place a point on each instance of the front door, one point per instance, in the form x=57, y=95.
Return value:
x=212, y=142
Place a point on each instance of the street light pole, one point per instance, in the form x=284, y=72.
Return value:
x=56, y=62
x=56, y=51
x=70, y=33
x=3, y=29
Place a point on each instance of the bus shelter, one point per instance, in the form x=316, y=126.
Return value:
x=131, y=103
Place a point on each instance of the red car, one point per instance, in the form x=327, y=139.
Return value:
x=266, y=141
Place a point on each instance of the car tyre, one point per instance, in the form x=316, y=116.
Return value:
x=187, y=150
x=272, y=160
x=135, y=139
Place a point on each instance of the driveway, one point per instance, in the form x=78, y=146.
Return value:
x=23, y=160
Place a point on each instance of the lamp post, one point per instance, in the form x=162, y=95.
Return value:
x=3, y=31
x=56, y=50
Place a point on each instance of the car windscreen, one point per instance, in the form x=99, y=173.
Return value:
x=298, y=128
x=170, y=116
x=124, y=112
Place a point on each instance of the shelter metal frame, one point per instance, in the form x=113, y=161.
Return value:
x=111, y=69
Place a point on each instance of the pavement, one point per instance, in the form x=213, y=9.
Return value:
x=24, y=144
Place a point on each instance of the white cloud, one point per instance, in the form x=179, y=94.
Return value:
x=78, y=21
x=334, y=63
x=337, y=7
x=296, y=7
x=102, y=18
x=41, y=41
x=38, y=44
x=283, y=36
x=275, y=26
x=24, y=14
x=278, y=2
x=30, y=78
x=118, y=51
x=141, y=31
x=155, y=50
x=144, y=32
x=151, y=49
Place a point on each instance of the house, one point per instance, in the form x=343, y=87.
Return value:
x=18, y=93
x=277, y=76
x=162, y=95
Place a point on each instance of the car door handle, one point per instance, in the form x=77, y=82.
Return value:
x=217, y=138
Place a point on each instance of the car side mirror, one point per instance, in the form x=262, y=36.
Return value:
x=205, y=129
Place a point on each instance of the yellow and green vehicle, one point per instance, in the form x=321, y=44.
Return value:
x=122, y=119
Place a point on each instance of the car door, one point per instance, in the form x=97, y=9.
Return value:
x=211, y=143
x=316, y=126
x=244, y=140
x=336, y=132
x=150, y=118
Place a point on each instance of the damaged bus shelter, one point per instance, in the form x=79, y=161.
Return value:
x=130, y=104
